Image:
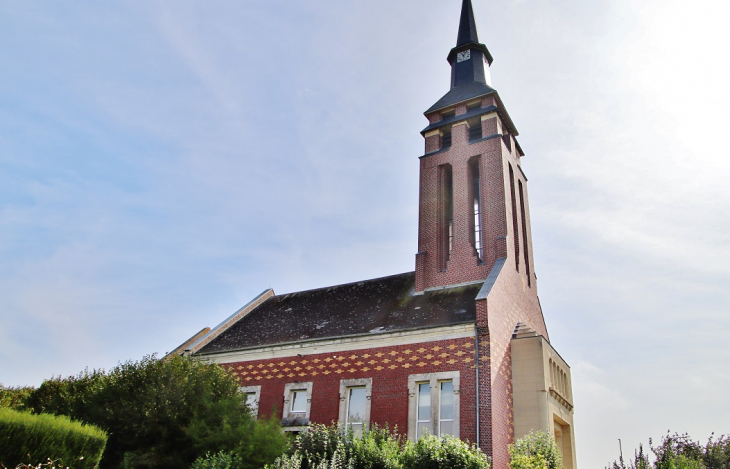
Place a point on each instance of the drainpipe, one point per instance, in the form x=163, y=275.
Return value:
x=476, y=348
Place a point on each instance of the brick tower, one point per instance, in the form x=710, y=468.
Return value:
x=473, y=200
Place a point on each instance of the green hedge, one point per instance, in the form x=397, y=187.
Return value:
x=27, y=438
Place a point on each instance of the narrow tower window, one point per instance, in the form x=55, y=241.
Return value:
x=524, y=234
x=515, y=228
x=446, y=137
x=475, y=128
x=476, y=208
x=446, y=207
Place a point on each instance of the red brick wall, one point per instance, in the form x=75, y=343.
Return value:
x=510, y=301
x=388, y=367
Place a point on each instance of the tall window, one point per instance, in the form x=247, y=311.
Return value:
x=356, y=409
x=355, y=403
x=446, y=206
x=251, y=395
x=433, y=404
x=476, y=208
x=423, y=425
x=515, y=227
x=524, y=234
x=446, y=408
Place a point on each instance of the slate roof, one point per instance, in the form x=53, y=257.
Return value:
x=369, y=307
x=461, y=93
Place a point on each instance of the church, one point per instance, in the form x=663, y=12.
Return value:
x=457, y=347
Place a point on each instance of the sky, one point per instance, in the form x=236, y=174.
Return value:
x=163, y=162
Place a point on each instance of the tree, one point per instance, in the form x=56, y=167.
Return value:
x=162, y=413
x=677, y=451
x=14, y=397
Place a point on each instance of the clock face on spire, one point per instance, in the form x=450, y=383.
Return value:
x=462, y=56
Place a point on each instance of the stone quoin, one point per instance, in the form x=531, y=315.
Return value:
x=458, y=347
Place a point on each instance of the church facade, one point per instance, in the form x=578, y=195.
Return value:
x=457, y=347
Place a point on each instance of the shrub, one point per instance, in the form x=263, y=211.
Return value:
x=24, y=436
x=431, y=452
x=163, y=413
x=219, y=460
x=377, y=449
x=325, y=447
x=319, y=443
x=535, y=450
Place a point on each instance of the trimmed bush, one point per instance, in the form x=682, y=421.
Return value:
x=27, y=438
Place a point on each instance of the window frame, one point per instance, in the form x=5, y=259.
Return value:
x=434, y=380
x=256, y=390
x=345, y=386
x=289, y=389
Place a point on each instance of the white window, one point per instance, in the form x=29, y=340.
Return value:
x=433, y=404
x=355, y=403
x=297, y=405
x=252, y=395
x=298, y=402
x=423, y=424
x=446, y=407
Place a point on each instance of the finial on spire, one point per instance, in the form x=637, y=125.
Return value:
x=467, y=25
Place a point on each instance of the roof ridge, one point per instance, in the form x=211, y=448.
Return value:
x=345, y=284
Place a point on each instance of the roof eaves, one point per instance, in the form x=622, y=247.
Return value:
x=231, y=320
x=338, y=337
x=477, y=111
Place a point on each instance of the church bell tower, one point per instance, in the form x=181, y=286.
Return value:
x=473, y=200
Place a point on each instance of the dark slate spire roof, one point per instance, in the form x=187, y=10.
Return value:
x=355, y=309
x=467, y=26
x=468, y=77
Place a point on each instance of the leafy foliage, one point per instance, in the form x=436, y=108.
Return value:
x=219, y=460
x=681, y=452
x=24, y=436
x=329, y=447
x=431, y=452
x=14, y=397
x=536, y=450
x=163, y=413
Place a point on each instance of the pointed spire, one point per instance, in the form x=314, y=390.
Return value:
x=467, y=25
x=470, y=61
